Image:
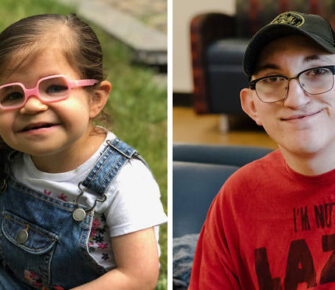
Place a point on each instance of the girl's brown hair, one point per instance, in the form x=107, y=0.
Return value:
x=29, y=35
x=32, y=34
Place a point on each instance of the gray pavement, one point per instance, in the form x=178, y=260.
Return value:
x=140, y=24
x=153, y=13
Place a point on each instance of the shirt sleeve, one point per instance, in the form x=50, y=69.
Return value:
x=212, y=264
x=134, y=200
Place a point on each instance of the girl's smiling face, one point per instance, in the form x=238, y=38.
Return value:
x=61, y=130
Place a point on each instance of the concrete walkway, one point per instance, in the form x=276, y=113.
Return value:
x=140, y=24
x=153, y=13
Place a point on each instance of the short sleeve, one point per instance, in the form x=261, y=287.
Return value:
x=134, y=200
x=212, y=264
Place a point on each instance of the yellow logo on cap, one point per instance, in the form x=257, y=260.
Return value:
x=290, y=18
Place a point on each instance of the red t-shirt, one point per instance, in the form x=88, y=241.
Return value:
x=269, y=228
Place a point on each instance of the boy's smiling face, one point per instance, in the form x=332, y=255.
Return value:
x=70, y=120
x=301, y=124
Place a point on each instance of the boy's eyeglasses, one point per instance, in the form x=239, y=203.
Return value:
x=48, y=89
x=314, y=81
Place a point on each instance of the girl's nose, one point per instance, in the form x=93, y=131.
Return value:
x=33, y=106
x=296, y=96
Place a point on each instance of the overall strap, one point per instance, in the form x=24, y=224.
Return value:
x=116, y=154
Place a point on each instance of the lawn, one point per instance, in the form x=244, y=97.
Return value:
x=137, y=105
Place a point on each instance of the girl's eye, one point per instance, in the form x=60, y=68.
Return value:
x=56, y=89
x=12, y=97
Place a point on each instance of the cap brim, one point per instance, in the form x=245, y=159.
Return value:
x=271, y=32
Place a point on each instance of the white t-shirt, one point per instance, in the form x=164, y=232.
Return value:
x=133, y=199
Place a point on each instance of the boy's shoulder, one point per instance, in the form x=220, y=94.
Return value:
x=272, y=163
x=255, y=178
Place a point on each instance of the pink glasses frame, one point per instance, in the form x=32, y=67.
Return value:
x=34, y=91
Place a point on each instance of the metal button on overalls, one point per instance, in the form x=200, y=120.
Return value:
x=22, y=236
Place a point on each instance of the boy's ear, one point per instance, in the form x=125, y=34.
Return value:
x=99, y=98
x=248, y=105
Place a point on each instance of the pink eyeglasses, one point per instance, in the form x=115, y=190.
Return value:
x=48, y=89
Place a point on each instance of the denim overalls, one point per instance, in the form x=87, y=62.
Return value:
x=43, y=241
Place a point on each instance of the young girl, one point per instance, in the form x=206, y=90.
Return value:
x=78, y=207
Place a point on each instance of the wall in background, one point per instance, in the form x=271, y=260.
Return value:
x=183, y=12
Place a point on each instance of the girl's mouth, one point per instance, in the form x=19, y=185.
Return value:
x=37, y=127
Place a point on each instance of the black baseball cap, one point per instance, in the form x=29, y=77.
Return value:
x=312, y=26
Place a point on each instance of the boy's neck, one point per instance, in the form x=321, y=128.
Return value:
x=310, y=163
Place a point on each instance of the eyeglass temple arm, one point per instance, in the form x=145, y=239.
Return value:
x=252, y=85
x=83, y=83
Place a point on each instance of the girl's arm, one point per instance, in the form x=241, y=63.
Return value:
x=136, y=256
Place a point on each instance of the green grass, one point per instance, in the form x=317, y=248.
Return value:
x=137, y=105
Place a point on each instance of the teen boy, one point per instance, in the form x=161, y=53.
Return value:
x=272, y=225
